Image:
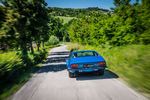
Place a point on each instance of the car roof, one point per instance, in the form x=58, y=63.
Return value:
x=84, y=51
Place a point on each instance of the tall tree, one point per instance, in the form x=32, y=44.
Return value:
x=121, y=2
x=146, y=3
x=25, y=22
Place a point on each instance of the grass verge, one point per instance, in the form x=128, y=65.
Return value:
x=131, y=63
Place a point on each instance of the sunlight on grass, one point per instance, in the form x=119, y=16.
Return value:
x=65, y=19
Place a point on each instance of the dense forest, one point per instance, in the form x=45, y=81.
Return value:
x=129, y=24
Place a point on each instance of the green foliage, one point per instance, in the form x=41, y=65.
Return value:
x=25, y=22
x=2, y=15
x=121, y=2
x=53, y=40
x=130, y=63
x=69, y=12
x=10, y=64
x=14, y=71
x=65, y=19
x=129, y=24
x=56, y=25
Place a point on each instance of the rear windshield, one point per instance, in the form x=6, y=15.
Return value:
x=85, y=54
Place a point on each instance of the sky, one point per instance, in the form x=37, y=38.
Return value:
x=105, y=4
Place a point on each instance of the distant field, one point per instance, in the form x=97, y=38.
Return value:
x=66, y=19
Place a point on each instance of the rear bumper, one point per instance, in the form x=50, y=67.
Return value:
x=86, y=70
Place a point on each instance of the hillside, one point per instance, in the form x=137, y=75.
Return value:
x=70, y=12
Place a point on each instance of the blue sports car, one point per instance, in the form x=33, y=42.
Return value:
x=85, y=61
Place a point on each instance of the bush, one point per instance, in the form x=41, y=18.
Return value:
x=10, y=66
x=39, y=57
x=53, y=40
x=16, y=69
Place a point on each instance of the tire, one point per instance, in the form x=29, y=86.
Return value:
x=76, y=74
x=100, y=72
x=71, y=75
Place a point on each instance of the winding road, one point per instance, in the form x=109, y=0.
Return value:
x=51, y=82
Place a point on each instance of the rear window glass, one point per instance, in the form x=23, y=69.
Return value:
x=85, y=54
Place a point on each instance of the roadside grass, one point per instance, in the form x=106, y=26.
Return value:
x=16, y=84
x=65, y=19
x=14, y=73
x=130, y=62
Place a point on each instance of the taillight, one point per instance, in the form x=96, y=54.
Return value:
x=84, y=65
x=101, y=64
x=74, y=65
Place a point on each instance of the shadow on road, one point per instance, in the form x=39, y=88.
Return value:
x=92, y=76
x=55, y=62
x=59, y=53
x=56, y=59
x=52, y=68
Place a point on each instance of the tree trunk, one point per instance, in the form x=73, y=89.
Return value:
x=32, y=50
x=23, y=42
x=38, y=46
x=24, y=48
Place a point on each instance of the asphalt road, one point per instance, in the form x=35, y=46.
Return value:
x=51, y=82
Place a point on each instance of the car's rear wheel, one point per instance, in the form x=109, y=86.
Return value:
x=76, y=74
x=100, y=72
x=71, y=75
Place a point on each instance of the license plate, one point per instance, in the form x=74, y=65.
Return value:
x=90, y=65
x=80, y=70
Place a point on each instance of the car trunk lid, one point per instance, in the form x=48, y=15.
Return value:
x=87, y=60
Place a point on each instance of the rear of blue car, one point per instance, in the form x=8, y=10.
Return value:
x=86, y=64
